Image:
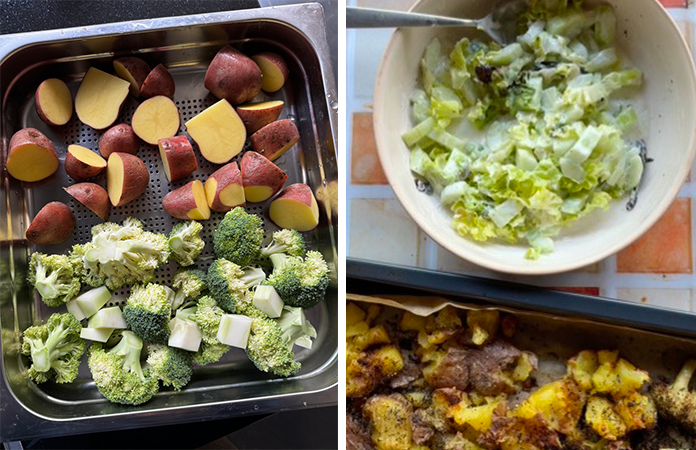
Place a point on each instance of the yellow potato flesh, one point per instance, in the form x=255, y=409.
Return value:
x=210, y=189
x=292, y=214
x=202, y=211
x=273, y=78
x=257, y=193
x=55, y=101
x=99, y=98
x=86, y=155
x=156, y=118
x=232, y=195
x=31, y=162
x=218, y=131
x=261, y=105
x=114, y=179
x=165, y=161
x=122, y=72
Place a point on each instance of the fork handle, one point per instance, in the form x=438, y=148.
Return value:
x=380, y=18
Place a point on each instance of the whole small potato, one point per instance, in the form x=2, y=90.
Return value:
x=119, y=139
x=54, y=224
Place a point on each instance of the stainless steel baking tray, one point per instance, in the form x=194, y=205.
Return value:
x=185, y=45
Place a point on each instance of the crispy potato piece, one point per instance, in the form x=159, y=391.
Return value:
x=390, y=417
x=600, y=415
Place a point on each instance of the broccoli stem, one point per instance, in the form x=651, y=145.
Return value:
x=278, y=259
x=272, y=249
x=43, y=357
x=129, y=347
x=681, y=383
x=176, y=243
x=253, y=276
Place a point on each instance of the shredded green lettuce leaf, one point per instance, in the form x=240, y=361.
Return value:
x=553, y=107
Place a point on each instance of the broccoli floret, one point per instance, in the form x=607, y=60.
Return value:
x=185, y=242
x=171, y=365
x=147, y=312
x=120, y=254
x=676, y=401
x=207, y=317
x=294, y=325
x=268, y=350
x=210, y=353
x=54, y=278
x=238, y=237
x=118, y=373
x=55, y=349
x=188, y=284
x=229, y=283
x=299, y=282
x=290, y=242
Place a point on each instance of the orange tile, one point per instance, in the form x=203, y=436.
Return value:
x=665, y=248
x=365, y=165
x=675, y=3
x=579, y=290
x=401, y=5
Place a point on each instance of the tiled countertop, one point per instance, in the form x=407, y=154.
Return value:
x=657, y=269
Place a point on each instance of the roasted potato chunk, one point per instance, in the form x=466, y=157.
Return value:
x=602, y=417
x=559, y=403
x=390, y=418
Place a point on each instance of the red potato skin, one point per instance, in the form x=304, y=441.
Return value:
x=138, y=69
x=92, y=196
x=298, y=191
x=180, y=201
x=54, y=224
x=254, y=120
x=39, y=109
x=257, y=170
x=135, y=177
x=158, y=82
x=274, y=136
x=180, y=155
x=225, y=175
x=119, y=138
x=32, y=136
x=78, y=170
x=233, y=76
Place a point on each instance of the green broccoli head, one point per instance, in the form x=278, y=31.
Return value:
x=118, y=372
x=676, y=401
x=147, y=312
x=210, y=353
x=55, y=349
x=299, y=282
x=268, y=350
x=290, y=242
x=119, y=255
x=185, y=242
x=54, y=278
x=228, y=284
x=238, y=237
x=171, y=365
x=189, y=284
x=207, y=317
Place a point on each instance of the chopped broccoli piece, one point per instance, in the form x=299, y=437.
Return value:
x=185, y=242
x=294, y=325
x=118, y=373
x=54, y=278
x=207, y=317
x=238, y=237
x=147, y=312
x=119, y=255
x=171, y=365
x=290, y=242
x=189, y=284
x=268, y=350
x=675, y=401
x=229, y=284
x=299, y=282
x=55, y=349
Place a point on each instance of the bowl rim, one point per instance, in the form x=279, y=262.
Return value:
x=531, y=269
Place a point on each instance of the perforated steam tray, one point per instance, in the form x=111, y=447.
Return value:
x=185, y=46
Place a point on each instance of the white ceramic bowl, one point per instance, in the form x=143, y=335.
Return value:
x=651, y=41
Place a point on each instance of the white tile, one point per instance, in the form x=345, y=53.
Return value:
x=369, y=47
x=666, y=298
x=381, y=230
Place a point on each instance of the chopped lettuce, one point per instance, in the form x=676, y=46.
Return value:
x=553, y=109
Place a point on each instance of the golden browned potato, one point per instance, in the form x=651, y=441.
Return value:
x=602, y=417
x=560, y=403
x=483, y=324
x=637, y=411
x=390, y=418
x=581, y=368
